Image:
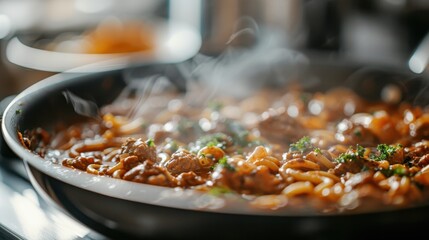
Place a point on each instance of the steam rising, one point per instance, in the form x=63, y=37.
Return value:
x=146, y=89
x=239, y=71
x=82, y=106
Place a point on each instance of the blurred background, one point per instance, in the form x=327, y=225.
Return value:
x=383, y=32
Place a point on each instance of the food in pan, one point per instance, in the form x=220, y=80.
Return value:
x=330, y=151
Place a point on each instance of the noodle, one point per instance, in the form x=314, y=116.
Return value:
x=329, y=159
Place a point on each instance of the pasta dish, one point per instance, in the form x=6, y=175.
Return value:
x=330, y=151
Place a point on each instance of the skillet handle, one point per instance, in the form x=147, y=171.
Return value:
x=5, y=151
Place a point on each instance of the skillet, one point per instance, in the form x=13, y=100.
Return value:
x=127, y=210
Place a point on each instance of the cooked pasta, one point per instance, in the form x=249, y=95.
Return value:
x=303, y=149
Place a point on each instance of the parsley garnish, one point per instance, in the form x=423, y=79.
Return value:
x=171, y=145
x=240, y=135
x=317, y=150
x=224, y=163
x=219, y=191
x=150, y=142
x=357, y=133
x=301, y=145
x=385, y=151
x=351, y=154
x=305, y=97
x=360, y=150
x=400, y=171
x=219, y=140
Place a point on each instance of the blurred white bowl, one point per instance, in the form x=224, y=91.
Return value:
x=173, y=42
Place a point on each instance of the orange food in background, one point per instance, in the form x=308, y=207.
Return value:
x=119, y=37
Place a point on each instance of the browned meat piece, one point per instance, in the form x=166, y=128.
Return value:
x=420, y=128
x=189, y=179
x=354, y=166
x=35, y=140
x=259, y=181
x=131, y=162
x=79, y=162
x=417, y=154
x=138, y=147
x=423, y=161
x=282, y=128
x=149, y=173
x=184, y=161
x=397, y=157
x=352, y=134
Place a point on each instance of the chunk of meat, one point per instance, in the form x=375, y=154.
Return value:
x=140, y=149
x=190, y=179
x=419, y=129
x=423, y=161
x=281, y=127
x=417, y=154
x=150, y=173
x=80, y=162
x=185, y=161
x=130, y=162
x=354, y=166
x=350, y=133
x=259, y=181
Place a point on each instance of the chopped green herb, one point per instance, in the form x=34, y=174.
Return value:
x=317, y=150
x=224, y=163
x=360, y=150
x=219, y=191
x=346, y=157
x=400, y=171
x=171, y=145
x=219, y=140
x=214, y=143
x=357, y=133
x=18, y=111
x=305, y=97
x=385, y=151
x=301, y=145
x=240, y=135
x=351, y=154
x=150, y=142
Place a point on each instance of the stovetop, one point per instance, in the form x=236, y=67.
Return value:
x=24, y=214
